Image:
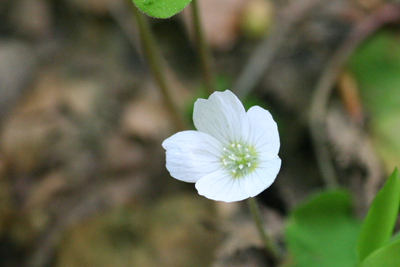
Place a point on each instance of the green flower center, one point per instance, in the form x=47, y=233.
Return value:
x=239, y=159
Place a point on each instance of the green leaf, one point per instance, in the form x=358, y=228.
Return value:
x=322, y=232
x=396, y=236
x=387, y=256
x=161, y=8
x=377, y=227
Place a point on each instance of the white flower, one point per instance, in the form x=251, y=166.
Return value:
x=232, y=156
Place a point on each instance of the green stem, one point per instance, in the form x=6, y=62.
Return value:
x=155, y=60
x=203, y=50
x=256, y=214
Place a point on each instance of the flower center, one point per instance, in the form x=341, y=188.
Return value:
x=239, y=159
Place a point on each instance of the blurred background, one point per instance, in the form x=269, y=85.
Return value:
x=82, y=171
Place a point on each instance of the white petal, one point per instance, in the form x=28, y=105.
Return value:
x=263, y=134
x=191, y=155
x=221, y=186
x=222, y=116
x=262, y=176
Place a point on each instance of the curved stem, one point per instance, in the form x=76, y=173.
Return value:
x=204, y=51
x=320, y=100
x=155, y=60
x=265, y=53
x=256, y=214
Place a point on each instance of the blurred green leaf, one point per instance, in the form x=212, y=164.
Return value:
x=387, y=256
x=322, y=232
x=161, y=8
x=376, y=67
x=377, y=227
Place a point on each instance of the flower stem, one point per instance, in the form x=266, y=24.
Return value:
x=256, y=214
x=155, y=62
x=203, y=50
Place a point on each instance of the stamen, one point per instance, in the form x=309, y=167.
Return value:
x=238, y=159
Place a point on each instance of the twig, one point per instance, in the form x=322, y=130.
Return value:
x=87, y=201
x=203, y=50
x=265, y=53
x=386, y=13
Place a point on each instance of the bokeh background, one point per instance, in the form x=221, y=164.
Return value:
x=82, y=171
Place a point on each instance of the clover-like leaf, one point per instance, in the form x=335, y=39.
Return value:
x=161, y=8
